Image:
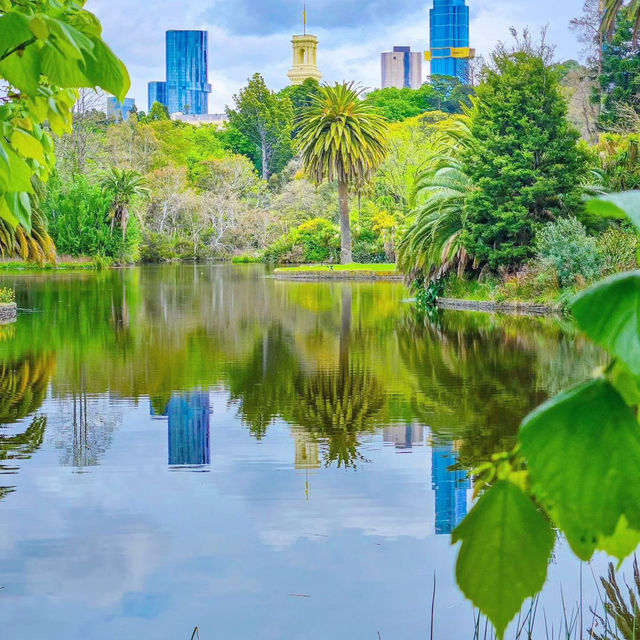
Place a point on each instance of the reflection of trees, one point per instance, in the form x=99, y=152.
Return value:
x=476, y=379
x=20, y=447
x=23, y=385
x=86, y=426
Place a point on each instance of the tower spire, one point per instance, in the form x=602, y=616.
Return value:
x=304, y=18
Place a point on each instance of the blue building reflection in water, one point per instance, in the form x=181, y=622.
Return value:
x=188, y=415
x=450, y=486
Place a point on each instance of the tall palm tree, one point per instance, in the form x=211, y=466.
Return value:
x=342, y=137
x=124, y=186
x=611, y=9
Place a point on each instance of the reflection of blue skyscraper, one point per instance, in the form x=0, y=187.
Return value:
x=189, y=428
x=451, y=488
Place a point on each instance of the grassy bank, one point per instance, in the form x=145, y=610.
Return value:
x=386, y=269
x=65, y=264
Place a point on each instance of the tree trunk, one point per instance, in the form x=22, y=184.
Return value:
x=345, y=228
x=265, y=159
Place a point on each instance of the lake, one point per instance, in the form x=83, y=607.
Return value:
x=206, y=446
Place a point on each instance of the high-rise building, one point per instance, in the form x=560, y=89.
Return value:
x=401, y=68
x=186, y=89
x=119, y=110
x=450, y=52
x=157, y=92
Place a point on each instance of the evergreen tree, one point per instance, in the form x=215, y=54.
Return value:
x=620, y=78
x=525, y=164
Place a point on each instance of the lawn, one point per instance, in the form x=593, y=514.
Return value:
x=377, y=268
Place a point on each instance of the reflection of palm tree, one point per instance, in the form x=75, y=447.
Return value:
x=20, y=447
x=23, y=386
x=337, y=405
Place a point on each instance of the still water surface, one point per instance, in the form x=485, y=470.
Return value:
x=204, y=445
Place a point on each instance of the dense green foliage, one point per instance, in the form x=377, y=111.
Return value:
x=442, y=94
x=7, y=295
x=525, y=163
x=619, y=80
x=265, y=118
x=48, y=49
x=78, y=222
x=317, y=240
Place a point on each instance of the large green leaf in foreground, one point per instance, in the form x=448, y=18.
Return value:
x=506, y=545
x=609, y=313
x=583, y=453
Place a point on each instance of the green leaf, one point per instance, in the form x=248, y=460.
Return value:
x=506, y=546
x=22, y=72
x=105, y=70
x=617, y=205
x=582, y=449
x=623, y=542
x=27, y=145
x=627, y=385
x=14, y=31
x=19, y=209
x=609, y=313
x=39, y=28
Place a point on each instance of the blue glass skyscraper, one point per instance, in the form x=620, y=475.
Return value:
x=450, y=51
x=187, y=63
x=119, y=110
x=157, y=92
x=186, y=89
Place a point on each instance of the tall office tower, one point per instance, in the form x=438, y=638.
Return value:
x=157, y=92
x=119, y=110
x=450, y=486
x=401, y=68
x=450, y=52
x=187, y=71
x=186, y=89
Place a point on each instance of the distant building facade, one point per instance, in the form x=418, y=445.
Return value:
x=449, y=31
x=186, y=89
x=157, y=92
x=401, y=68
x=119, y=110
x=305, y=59
x=404, y=437
x=209, y=118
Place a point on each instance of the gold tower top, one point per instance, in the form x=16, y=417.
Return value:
x=305, y=59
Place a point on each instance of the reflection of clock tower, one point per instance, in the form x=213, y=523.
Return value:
x=305, y=57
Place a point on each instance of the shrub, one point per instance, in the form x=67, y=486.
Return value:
x=317, y=240
x=157, y=247
x=78, y=222
x=619, y=250
x=565, y=246
x=7, y=296
x=244, y=259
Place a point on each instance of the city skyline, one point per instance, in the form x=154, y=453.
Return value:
x=244, y=38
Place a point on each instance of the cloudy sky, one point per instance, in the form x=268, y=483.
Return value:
x=246, y=36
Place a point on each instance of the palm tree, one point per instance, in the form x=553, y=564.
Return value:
x=432, y=245
x=124, y=186
x=36, y=246
x=611, y=9
x=342, y=137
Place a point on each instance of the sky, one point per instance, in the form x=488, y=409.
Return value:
x=248, y=36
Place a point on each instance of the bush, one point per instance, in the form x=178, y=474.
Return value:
x=7, y=296
x=619, y=250
x=368, y=247
x=565, y=246
x=157, y=247
x=317, y=240
x=244, y=259
x=78, y=222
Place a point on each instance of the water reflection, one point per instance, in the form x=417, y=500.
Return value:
x=451, y=486
x=275, y=389
x=188, y=417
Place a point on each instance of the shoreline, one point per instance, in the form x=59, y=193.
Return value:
x=8, y=312
x=489, y=306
